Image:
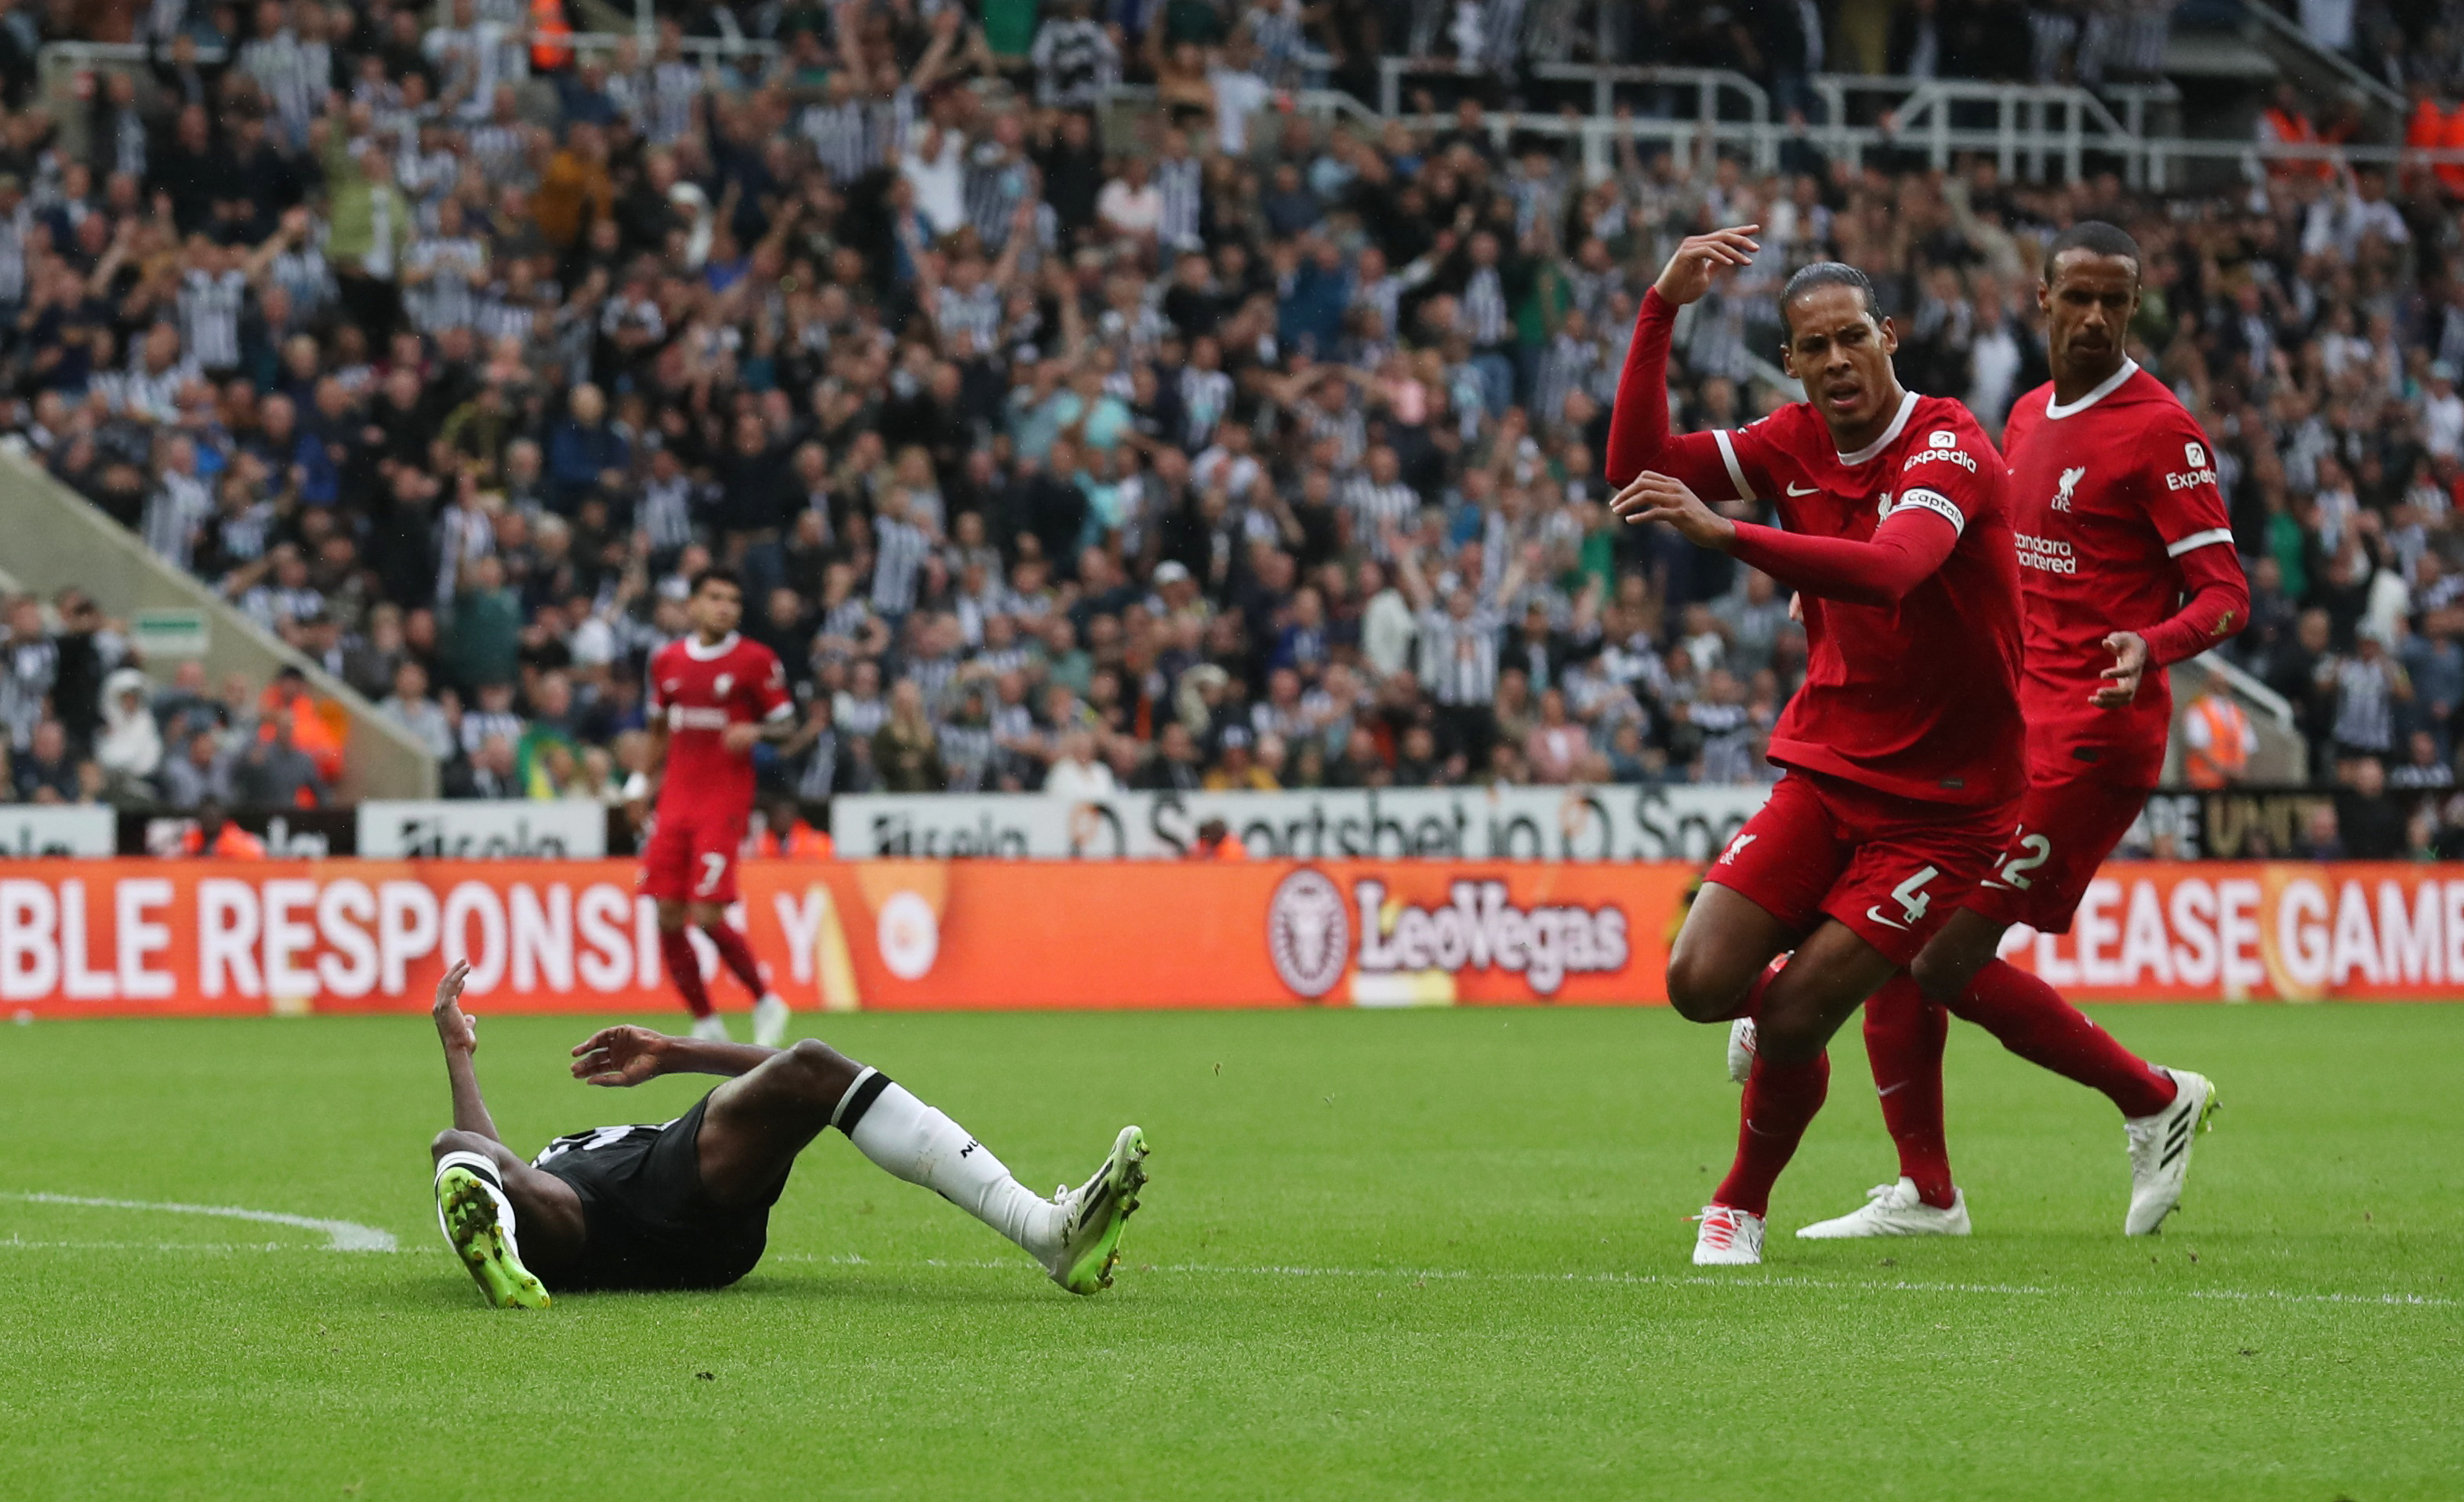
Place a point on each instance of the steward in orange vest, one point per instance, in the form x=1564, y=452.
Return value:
x=785, y=835
x=2217, y=740
x=214, y=835
x=551, y=37
x=2286, y=125
x=1216, y=841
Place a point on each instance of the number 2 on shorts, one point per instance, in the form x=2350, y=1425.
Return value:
x=713, y=866
x=2015, y=870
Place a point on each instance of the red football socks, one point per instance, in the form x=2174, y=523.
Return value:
x=737, y=956
x=1904, y=1038
x=684, y=969
x=1780, y=1103
x=2034, y=1021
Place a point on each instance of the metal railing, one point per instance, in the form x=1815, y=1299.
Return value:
x=2069, y=143
x=1709, y=85
x=2354, y=76
x=2034, y=122
x=1318, y=103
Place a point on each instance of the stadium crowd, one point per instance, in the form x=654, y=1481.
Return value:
x=1204, y=445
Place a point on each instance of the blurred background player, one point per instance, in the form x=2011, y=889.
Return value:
x=1904, y=750
x=2119, y=521
x=712, y=697
x=687, y=1206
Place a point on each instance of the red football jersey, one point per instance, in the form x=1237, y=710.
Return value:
x=700, y=691
x=2106, y=495
x=1921, y=699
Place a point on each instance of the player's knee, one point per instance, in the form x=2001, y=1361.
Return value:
x=451, y=1140
x=1942, y=976
x=1700, y=990
x=825, y=1070
x=1790, y=1024
x=1786, y=1037
x=671, y=918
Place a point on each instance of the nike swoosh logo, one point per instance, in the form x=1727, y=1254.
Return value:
x=1887, y=1089
x=1875, y=915
x=1807, y=491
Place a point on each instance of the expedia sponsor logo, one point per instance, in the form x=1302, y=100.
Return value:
x=679, y=718
x=2046, y=555
x=2196, y=477
x=1958, y=457
x=1308, y=936
x=1479, y=930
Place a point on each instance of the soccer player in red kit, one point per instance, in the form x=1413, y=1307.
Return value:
x=713, y=696
x=2126, y=564
x=1904, y=748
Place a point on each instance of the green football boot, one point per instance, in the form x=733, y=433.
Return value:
x=1092, y=1215
x=474, y=1226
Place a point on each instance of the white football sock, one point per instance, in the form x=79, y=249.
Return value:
x=484, y=1169
x=908, y=1139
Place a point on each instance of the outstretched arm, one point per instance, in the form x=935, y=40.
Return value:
x=460, y=1036
x=1905, y=550
x=621, y=1057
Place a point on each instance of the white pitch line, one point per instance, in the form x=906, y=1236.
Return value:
x=342, y=1235
x=1678, y=1280
x=21, y=1243
x=382, y=1241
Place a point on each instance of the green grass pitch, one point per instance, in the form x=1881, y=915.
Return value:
x=1435, y=1255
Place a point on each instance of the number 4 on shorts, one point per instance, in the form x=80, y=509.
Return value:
x=1911, y=894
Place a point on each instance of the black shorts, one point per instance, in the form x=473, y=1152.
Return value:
x=648, y=1223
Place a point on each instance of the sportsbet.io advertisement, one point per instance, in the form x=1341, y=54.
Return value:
x=148, y=938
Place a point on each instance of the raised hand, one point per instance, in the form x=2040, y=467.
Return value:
x=1653, y=497
x=618, y=1058
x=455, y=1028
x=1688, y=272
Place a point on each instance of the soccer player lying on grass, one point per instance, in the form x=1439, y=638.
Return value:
x=687, y=1206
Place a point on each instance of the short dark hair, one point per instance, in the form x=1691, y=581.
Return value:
x=719, y=573
x=1826, y=274
x=2098, y=238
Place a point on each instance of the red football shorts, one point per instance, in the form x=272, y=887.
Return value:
x=2066, y=830
x=691, y=856
x=1891, y=868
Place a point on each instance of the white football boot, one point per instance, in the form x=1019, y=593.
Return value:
x=770, y=1018
x=1740, y=1050
x=712, y=1029
x=1728, y=1237
x=2159, y=1151
x=1893, y=1209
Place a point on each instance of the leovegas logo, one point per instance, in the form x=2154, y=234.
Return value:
x=1310, y=932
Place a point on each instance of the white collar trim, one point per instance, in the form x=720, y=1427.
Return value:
x=2104, y=388
x=1890, y=435
x=698, y=652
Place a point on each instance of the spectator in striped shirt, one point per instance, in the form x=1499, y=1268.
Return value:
x=1075, y=59
x=212, y=292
